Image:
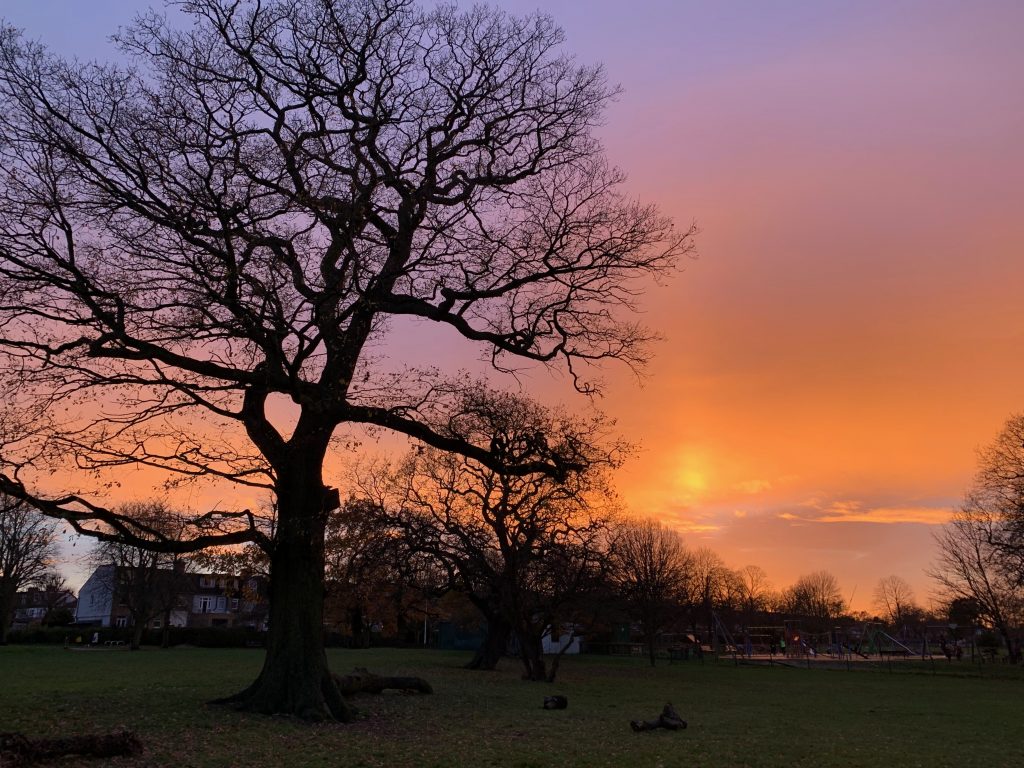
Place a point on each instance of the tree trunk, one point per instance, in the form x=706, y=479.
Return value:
x=135, y=638
x=493, y=647
x=531, y=653
x=1004, y=633
x=557, y=660
x=649, y=624
x=357, y=625
x=295, y=679
x=7, y=597
x=165, y=630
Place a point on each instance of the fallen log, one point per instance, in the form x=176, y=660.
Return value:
x=364, y=681
x=17, y=750
x=668, y=718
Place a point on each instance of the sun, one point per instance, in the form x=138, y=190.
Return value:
x=691, y=474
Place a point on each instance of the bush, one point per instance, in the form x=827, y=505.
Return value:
x=209, y=637
x=40, y=635
x=204, y=637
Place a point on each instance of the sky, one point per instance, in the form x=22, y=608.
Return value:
x=850, y=331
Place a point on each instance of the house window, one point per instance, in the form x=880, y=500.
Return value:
x=234, y=603
x=121, y=621
x=222, y=604
x=204, y=604
x=157, y=624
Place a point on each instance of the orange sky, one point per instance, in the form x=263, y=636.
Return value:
x=852, y=330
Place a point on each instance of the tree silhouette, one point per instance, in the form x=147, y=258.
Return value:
x=249, y=209
x=649, y=566
x=816, y=595
x=28, y=546
x=894, y=599
x=524, y=548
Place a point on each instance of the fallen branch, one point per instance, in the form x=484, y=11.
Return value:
x=364, y=681
x=17, y=750
x=668, y=718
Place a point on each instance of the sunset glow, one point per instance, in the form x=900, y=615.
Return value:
x=851, y=328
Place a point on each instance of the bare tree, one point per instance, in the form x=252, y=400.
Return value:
x=970, y=569
x=523, y=548
x=816, y=595
x=998, y=491
x=707, y=585
x=148, y=582
x=58, y=597
x=981, y=550
x=894, y=599
x=28, y=547
x=649, y=565
x=374, y=572
x=755, y=589
x=248, y=209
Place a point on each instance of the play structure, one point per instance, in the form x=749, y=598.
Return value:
x=789, y=642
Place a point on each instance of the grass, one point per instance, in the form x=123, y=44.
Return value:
x=738, y=716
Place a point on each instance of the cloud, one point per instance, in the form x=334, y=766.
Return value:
x=890, y=515
x=753, y=487
x=694, y=527
x=852, y=511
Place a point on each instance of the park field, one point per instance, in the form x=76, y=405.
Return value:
x=950, y=715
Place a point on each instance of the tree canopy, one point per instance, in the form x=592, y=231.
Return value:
x=249, y=207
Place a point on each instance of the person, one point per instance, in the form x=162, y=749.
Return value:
x=782, y=645
x=95, y=638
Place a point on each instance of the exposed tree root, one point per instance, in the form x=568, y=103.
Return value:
x=332, y=705
x=262, y=699
x=17, y=750
x=668, y=718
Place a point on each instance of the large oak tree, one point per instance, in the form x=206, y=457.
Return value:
x=249, y=207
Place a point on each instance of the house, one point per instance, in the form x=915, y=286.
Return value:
x=34, y=605
x=96, y=598
x=188, y=600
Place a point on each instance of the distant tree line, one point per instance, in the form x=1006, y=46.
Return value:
x=436, y=535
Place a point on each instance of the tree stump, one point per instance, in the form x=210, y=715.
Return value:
x=17, y=750
x=668, y=718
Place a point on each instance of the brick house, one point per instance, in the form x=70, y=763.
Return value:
x=200, y=600
x=33, y=605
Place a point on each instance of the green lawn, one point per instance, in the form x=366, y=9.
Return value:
x=739, y=716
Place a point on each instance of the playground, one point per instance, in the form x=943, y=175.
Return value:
x=863, y=645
